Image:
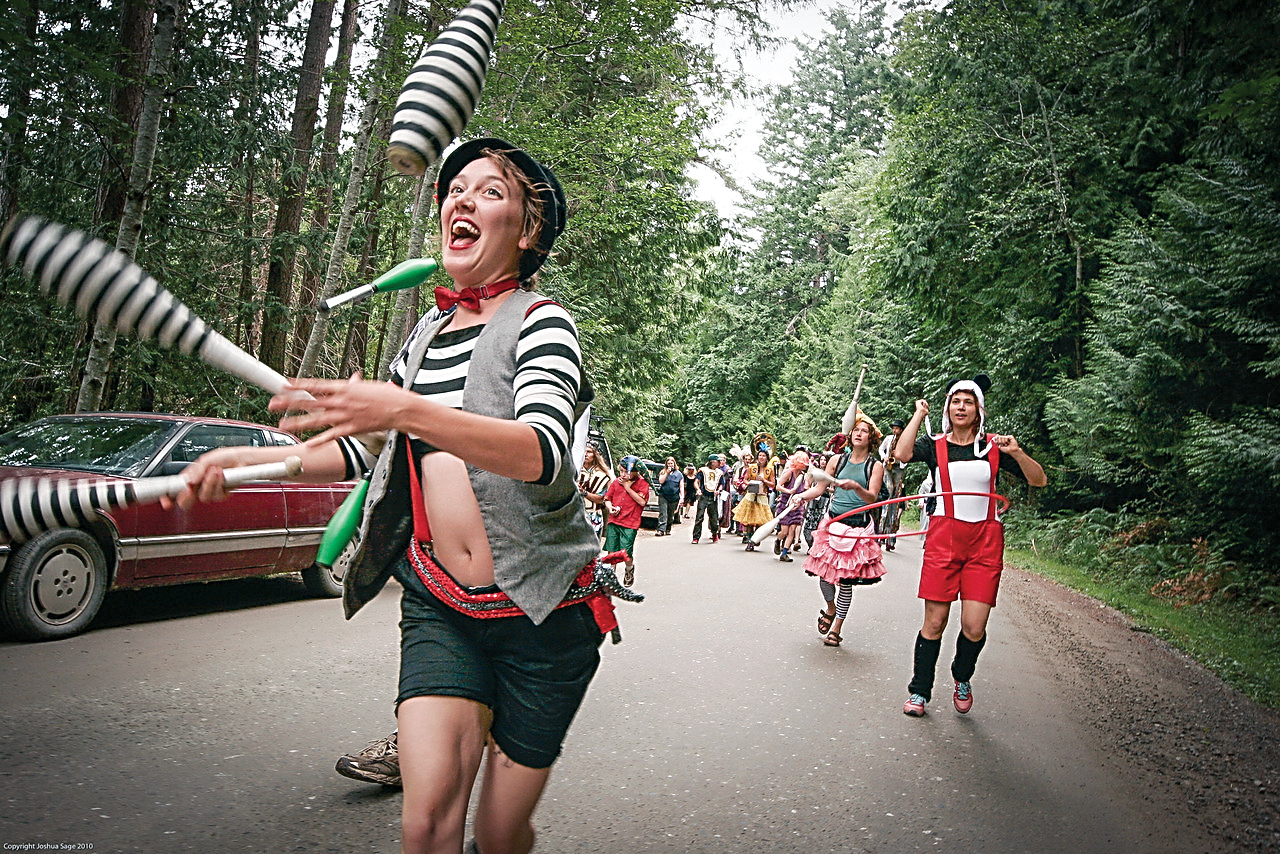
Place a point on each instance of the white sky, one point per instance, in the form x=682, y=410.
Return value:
x=739, y=130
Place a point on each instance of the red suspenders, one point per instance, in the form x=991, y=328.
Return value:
x=421, y=527
x=944, y=475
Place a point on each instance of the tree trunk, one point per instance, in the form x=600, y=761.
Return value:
x=357, y=338
x=359, y=163
x=136, y=20
x=279, y=296
x=406, y=303
x=248, y=114
x=168, y=13
x=339, y=76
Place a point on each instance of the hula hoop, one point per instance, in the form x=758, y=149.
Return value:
x=1003, y=505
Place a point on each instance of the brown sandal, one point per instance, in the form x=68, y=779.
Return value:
x=824, y=622
x=832, y=639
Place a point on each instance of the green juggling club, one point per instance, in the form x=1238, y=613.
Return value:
x=406, y=274
x=343, y=525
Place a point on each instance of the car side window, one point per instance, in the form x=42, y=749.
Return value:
x=206, y=437
x=282, y=439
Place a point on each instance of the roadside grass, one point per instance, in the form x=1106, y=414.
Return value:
x=1239, y=644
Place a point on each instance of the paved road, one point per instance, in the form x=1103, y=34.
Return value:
x=208, y=718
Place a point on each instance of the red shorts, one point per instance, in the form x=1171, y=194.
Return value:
x=962, y=560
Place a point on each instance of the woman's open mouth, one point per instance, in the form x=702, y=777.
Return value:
x=463, y=234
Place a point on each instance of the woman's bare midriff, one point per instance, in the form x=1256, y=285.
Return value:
x=457, y=528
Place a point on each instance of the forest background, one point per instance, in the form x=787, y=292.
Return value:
x=1081, y=199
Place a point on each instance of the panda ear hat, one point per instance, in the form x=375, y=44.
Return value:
x=977, y=387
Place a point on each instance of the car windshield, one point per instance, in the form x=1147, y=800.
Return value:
x=118, y=446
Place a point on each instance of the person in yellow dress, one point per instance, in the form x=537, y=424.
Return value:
x=753, y=510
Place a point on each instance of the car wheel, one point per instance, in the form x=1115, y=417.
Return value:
x=55, y=585
x=323, y=581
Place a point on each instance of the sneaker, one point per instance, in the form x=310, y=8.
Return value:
x=715, y=539
x=777, y=546
x=963, y=698
x=629, y=577
x=751, y=546
x=784, y=557
x=695, y=541
x=914, y=706
x=377, y=763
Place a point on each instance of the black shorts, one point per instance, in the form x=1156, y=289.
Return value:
x=533, y=678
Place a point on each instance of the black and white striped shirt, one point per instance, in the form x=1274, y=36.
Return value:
x=547, y=380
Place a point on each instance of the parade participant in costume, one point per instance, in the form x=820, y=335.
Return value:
x=927, y=502
x=670, y=488
x=625, y=501
x=709, y=481
x=689, y=494
x=723, y=499
x=790, y=482
x=817, y=507
x=593, y=481
x=964, y=551
x=843, y=553
x=472, y=507
x=893, y=474
x=742, y=458
x=753, y=510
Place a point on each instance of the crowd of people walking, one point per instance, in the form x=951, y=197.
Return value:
x=843, y=506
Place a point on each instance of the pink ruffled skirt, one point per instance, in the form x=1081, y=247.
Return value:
x=845, y=553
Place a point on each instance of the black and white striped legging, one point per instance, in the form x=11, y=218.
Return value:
x=844, y=598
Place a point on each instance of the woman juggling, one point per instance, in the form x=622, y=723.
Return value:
x=844, y=553
x=473, y=508
x=964, y=551
x=753, y=510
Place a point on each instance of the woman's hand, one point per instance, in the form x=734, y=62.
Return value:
x=204, y=477
x=1006, y=444
x=345, y=407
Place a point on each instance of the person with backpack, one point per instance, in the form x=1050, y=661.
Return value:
x=964, y=551
x=845, y=553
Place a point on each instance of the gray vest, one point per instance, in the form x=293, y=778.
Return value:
x=538, y=534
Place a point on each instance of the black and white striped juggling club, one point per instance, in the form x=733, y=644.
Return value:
x=772, y=525
x=441, y=91
x=30, y=505
x=105, y=286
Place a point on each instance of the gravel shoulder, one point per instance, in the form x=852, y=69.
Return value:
x=1203, y=751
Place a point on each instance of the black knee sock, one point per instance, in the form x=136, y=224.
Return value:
x=926, y=662
x=966, y=657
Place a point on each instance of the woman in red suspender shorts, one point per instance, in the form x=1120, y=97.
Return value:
x=500, y=631
x=964, y=550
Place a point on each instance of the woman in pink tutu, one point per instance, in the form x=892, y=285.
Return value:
x=844, y=553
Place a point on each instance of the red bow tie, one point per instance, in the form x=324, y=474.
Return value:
x=447, y=298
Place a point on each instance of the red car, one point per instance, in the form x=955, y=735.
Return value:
x=53, y=585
